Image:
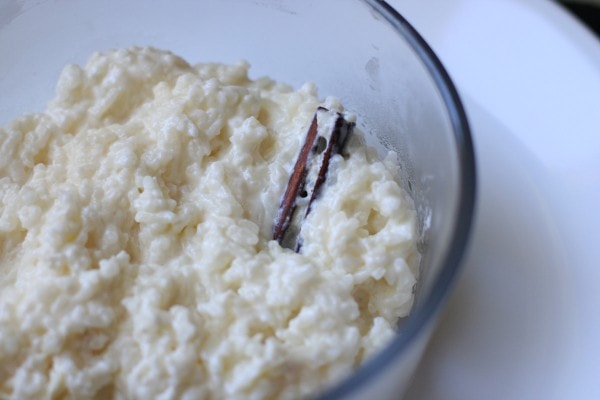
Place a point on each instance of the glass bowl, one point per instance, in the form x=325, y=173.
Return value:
x=362, y=52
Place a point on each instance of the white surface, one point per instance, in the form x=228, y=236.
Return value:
x=523, y=322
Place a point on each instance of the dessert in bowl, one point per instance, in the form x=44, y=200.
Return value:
x=371, y=61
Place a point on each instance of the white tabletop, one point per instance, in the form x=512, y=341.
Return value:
x=524, y=319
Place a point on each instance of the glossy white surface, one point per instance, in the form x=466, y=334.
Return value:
x=523, y=321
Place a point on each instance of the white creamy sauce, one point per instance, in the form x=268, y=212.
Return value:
x=136, y=258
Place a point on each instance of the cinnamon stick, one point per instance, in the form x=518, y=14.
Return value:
x=309, y=174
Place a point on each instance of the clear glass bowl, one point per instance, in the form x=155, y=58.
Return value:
x=363, y=52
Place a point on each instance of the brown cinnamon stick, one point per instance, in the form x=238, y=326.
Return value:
x=309, y=174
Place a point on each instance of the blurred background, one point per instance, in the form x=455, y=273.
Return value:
x=523, y=322
x=588, y=11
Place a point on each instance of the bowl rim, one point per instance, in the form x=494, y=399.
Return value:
x=421, y=317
